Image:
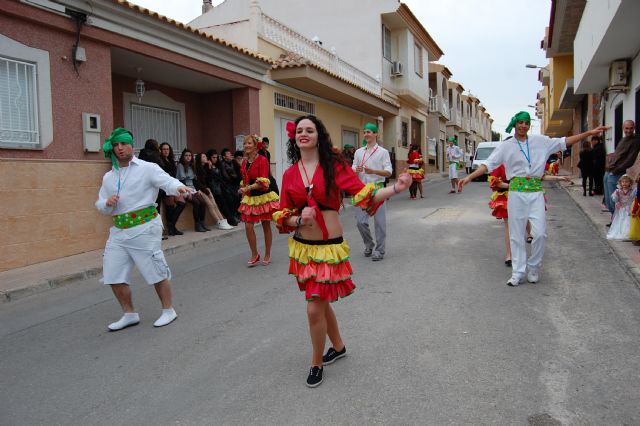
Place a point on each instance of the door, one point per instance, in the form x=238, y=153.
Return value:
x=617, y=125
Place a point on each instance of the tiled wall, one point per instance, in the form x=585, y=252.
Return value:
x=47, y=210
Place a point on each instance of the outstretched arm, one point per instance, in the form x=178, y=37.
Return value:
x=479, y=172
x=570, y=140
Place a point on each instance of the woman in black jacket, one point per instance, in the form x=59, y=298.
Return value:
x=217, y=183
x=586, y=168
x=599, y=155
x=173, y=205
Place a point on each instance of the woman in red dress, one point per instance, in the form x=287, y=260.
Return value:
x=258, y=202
x=416, y=171
x=319, y=256
x=500, y=186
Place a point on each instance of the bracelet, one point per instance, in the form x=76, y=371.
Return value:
x=394, y=189
x=299, y=222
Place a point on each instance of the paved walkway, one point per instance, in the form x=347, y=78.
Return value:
x=32, y=279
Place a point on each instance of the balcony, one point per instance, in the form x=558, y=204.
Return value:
x=475, y=127
x=466, y=125
x=439, y=105
x=288, y=39
x=455, y=118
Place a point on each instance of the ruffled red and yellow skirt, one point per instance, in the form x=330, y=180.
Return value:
x=256, y=208
x=498, y=204
x=322, y=268
x=417, y=175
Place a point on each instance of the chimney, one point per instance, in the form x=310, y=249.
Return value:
x=206, y=6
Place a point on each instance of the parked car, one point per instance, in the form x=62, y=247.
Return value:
x=483, y=151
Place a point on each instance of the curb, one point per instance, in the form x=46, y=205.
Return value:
x=632, y=268
x=60, y=281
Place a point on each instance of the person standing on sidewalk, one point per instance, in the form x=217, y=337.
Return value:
x=128, y=195
x=373, y=165
x=524, y=158
x=586, y=168
x=599, y=154
x=623, y=157
x=454, y=155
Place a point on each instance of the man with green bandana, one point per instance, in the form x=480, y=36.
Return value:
x=373, y=165
x=524, y=158
x=128, y=194
x=454, y=155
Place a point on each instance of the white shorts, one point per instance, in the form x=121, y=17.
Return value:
x=453, y=171
x=143, y=251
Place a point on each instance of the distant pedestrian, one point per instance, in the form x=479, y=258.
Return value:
x=586, y=166
x=373, y=165
x=128, y=195
x=187, y=175
x=623, y=158
x=468, y=160
x=524, y=158
x=599, y=155
x=622, y=198
x=173, y=205
x=454, y=156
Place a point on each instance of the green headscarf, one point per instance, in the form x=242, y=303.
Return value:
x=521, y=116
x=372, y=127
x=119, y=135
x=454, y=140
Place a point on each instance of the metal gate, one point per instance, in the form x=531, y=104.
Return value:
x=161, y=124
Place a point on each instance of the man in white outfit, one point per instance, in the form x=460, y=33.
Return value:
x=373, y=165
x=524, y=158
x=454, y=155
x=128, y=195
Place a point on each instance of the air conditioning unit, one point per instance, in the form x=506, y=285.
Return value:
x=396, y=68
x=619, y=74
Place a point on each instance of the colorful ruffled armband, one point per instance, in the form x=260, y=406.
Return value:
x=263, y=183
x=364, y=199
x=280, y=218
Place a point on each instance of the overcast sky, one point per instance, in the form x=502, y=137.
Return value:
x=486, y=45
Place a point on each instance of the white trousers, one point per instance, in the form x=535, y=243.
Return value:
x=523, y=207
x=453, y=171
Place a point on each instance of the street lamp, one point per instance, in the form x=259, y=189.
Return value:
x=535, y=66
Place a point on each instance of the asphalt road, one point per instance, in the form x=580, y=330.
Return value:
x=434, y=336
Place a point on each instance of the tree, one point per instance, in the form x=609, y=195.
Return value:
x=495, y=136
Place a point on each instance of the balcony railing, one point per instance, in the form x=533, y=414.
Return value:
x=455, y=117
x=466, y=124
x=474, y=125
x=293, y=41
x=439, y=105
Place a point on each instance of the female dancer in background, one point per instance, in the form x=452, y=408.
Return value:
x=258, y=202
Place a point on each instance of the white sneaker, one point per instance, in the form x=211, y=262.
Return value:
x=533, y=277
x=513, y=282
x=168, y=315
x=128, y=320
x=224, y=225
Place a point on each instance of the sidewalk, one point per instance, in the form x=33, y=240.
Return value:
x=22, y=282
x=627, y=253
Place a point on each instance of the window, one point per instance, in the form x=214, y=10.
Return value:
x=26, y=120
x=405, y=135
x=350, y=137
x=386, y=43
x=417, y=59
x=18, y=103
x=296, y=104
x=162, y=124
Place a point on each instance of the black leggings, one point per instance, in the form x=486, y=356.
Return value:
x=413, y=189
x=585, y=177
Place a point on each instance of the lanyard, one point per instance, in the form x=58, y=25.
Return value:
x=528, y=154
x=304, y=169
x=121, y=183
x=364, y=156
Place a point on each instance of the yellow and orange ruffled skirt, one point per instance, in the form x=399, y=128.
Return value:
x=416, y=174
x=634, y=227
x=259, y=207
x=322, y=268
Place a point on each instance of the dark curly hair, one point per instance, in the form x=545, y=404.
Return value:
x=329, y=156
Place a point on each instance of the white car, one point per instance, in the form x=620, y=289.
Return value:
x=483, y=151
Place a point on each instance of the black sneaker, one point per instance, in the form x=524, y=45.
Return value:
x=332, y=355
x=315, y=377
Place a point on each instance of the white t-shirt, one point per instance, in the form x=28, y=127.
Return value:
x=513, y=154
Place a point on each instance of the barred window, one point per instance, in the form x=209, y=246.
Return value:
x=296, y=104
x=161, y=124
x=18, y=103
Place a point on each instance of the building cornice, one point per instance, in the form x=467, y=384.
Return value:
x=419, y=31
